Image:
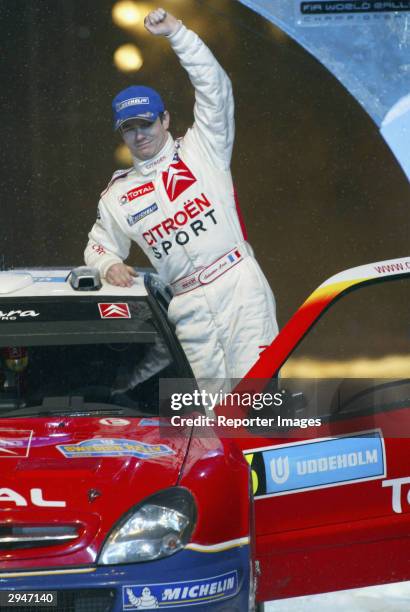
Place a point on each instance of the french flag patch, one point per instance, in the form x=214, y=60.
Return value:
x=234, y=256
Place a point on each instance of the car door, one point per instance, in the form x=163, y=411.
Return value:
x=332, y=501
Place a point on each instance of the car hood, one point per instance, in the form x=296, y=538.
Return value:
x=85, y=473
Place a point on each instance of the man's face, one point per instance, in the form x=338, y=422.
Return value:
x=143, y=138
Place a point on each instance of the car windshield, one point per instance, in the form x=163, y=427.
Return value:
x=80, y=357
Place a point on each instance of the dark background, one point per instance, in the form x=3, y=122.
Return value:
x=319, y=188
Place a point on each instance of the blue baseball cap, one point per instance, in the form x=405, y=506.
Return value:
x=136, y=102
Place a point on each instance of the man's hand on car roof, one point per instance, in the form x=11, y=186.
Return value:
x=161, y=23
x=121, y=275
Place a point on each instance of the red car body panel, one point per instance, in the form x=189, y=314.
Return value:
x=217, y=474
x=336, y=537
x=120, y=481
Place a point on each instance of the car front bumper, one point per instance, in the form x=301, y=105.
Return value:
x=218, y=582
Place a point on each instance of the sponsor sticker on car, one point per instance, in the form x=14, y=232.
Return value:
x=114, y=447
x=18, y=315
x=114, y=311
x=15, y=443
x=150, y=422
x=114, y=422
x=49, y=279
x=10, y=496
x=316, y=464
x=396, y=485
x=187, y=592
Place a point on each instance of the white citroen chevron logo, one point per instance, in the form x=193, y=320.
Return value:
x=114, y=311
x=177, y=178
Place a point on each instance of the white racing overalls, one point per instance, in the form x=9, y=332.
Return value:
x=180, y=208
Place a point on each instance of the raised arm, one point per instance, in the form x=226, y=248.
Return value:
x=214, y=106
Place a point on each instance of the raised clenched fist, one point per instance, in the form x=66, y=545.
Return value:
x=161, y=23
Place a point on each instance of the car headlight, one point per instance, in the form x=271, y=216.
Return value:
x=158, y=527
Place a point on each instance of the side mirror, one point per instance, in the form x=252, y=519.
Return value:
x=294, y=404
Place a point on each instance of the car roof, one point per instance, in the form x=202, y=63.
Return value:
x=46, y=282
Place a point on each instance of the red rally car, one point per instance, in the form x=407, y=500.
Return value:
x=104, y=506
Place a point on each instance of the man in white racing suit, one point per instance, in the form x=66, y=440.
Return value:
x=177, y=202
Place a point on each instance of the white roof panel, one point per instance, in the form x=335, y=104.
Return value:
x=53, y=282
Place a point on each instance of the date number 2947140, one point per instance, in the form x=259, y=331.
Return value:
x=28, y=599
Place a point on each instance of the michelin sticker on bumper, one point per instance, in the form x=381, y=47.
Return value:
x=304, y=466
x=188, y=592
x=114, y=447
